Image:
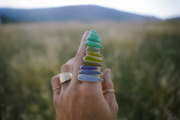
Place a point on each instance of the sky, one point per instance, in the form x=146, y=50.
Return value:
x=163, y=9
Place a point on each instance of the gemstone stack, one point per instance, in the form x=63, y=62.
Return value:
x=92, y=60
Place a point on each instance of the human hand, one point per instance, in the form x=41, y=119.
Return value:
x=77, y=100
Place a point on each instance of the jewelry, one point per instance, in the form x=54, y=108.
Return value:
x=92, y=59
x=64, y=77
x=56, y=88
x=109, y=91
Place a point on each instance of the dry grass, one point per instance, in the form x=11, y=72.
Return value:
x=31, y=53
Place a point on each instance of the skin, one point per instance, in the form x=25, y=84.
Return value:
x=77, y=100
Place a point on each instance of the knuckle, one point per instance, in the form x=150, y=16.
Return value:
x=70, y=96
x=87, y=92
x=109, y=84
x=55, y=102
x=65, y=68
x=54, y=78
x=116, y=107
x=79, y=56
x=58, y=100
x=70, y=93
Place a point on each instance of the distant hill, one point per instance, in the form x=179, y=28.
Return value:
x=69, y=13
x=174, y=19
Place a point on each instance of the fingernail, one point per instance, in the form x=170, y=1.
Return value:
x=108, y=72
x=86, y=32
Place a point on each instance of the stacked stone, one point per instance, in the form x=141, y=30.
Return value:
x=92, y=59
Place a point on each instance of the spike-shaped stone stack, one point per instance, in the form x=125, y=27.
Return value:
x=89, y=71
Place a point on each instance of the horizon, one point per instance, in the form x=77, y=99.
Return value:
x=160, y=9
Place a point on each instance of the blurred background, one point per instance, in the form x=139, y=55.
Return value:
x=141, y=41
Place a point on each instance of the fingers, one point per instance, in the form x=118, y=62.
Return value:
x=55, y=84
x=67, y=67
x=107, y=84
x=79, y=57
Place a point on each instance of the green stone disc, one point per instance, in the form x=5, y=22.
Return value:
x=94, y=54
x=91, y=63
x=92, y=49
x=92, y=59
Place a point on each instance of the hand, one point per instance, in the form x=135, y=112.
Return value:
x=77, y=100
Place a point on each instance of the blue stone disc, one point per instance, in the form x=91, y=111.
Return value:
x=86, y=67
x=89, y=78
x=90, y=72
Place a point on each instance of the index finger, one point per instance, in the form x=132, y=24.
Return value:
x=79, y=58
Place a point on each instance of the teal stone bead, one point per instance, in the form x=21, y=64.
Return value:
x=93, y=31
x=94, y=35
x=92, y=49
x=93, y=39
x=91, y=63
x=93, y=44
x=89, y=78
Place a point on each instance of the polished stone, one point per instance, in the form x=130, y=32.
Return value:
x=94, y=35
x=89, y=78
x=92, y=59
x=93, y=39
x=94, y=54
x=86, y=67
x=90, y=72
x=93, y=44
x=93, y=31
x=92, y=49
x=91, y=63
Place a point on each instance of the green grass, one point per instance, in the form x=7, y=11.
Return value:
x=144, y=58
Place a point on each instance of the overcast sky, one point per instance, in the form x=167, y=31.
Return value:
x=159, y=8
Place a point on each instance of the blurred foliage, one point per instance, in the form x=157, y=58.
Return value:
x=144, y=59
x=5, y=20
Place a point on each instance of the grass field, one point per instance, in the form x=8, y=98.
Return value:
x=144, y=59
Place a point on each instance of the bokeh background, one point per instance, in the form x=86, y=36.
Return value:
x=144, y=57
